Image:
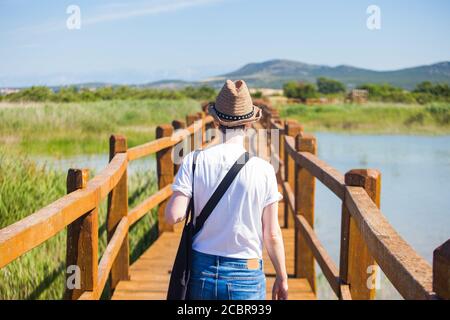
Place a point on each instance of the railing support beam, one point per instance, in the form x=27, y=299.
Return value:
x=165, y=172
x=305, y=184
x=82, y=244
x=117, y=209
x=292, y=128
x=441, y=271
x=357, y=266
x=182, y=146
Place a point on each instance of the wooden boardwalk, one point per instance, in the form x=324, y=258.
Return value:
x=149, y=275
x=366, y=237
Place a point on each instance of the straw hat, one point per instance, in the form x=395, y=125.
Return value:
x=234, y=106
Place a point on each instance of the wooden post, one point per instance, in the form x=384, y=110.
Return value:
x=117, y=209
x=82, y=243
x=441, y=271
x=178, y=125
x=281, y=147
x=291, y=128
x=356, y=262
x=190, y=119
x=203, y=116
x=165, y=173
x=305, y=185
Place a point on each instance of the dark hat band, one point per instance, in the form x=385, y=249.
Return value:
x=224, y=116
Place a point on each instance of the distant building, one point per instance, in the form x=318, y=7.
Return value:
x=5, y=91
x=358, y=96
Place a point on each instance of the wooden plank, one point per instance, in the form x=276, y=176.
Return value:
x=324, y=260
x=159, y=144
x=165, y=172
x=289, y=196
x=305, y=186
x=329, y=176
x=148, y=204
x=117, y=209
x=149, y=148
x=110, y=255
x=410, y=274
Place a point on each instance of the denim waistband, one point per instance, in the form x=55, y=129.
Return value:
x=213, y=259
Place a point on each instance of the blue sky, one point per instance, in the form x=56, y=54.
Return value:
x=139, y=41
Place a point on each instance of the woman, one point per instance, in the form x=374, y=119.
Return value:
x=227, y=251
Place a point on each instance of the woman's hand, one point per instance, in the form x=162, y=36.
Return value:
x=280, y=289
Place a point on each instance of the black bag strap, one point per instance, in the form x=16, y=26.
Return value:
x=220, y=191
x=190, y=208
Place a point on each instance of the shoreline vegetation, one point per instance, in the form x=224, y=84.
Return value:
x=375, y=118
x=68, y=129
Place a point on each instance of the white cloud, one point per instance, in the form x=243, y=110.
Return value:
x=113, y=12
x=118, y=11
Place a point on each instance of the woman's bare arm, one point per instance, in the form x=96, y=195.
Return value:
x=176, y=208
x=273, y=241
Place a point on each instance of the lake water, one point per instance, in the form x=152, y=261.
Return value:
x=415, y=190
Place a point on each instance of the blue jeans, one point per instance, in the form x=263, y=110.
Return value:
x=221, y=278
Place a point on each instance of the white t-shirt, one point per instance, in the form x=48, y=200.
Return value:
x=234, y=228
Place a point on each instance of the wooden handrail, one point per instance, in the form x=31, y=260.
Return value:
x=329, y=176
x=28, y=233
x=287, y=190
x=325, y=262
x=148, y=204
x=154, y=146
x=410, y=274
x=110, y=255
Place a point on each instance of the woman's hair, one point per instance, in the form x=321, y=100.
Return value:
x=224, y=129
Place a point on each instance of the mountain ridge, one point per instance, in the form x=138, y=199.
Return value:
x=274, y=73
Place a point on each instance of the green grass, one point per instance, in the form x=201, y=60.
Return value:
x=372, y=118
x=25, y=188
x=63, y=129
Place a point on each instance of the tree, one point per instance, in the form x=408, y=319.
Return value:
x=329, y=86
x=300, y=90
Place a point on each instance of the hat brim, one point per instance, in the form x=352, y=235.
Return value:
x=233, y=123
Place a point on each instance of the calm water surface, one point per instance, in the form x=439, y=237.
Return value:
x=415, y=189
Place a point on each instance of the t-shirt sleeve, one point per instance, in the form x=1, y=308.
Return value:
x=273, y=195
x=183, y=178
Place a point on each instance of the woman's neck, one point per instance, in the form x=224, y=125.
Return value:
x=234, y=138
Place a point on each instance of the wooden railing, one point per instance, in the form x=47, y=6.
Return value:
x=367, y=238
x=78, y=210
